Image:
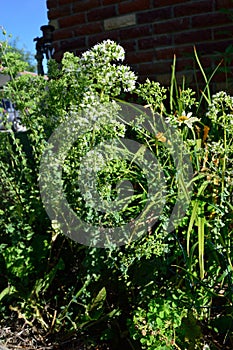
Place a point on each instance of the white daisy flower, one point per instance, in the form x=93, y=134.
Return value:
x=187, y=119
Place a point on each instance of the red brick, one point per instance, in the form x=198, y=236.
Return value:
x=154, y=41
x=163, y=67
x=53, y=13
x=109, y=2
x=161, y=3
x=58, y=55
x=199, y=78
x=193, y=8
x=142, y=78
x=174, y=25
x=223, y=4
x=158, y=67
x=133, y=6
x=51, y=4
x=156, y=27
x=71, y=21
x=193, y=37
x=206, y=61
x=101, y=13
x=211, y=48
x=184, y=64
x=190, y=63
x=72, y=44
x=129, y=45
x=94, y=39
x=163, y=79
x=136, y=32
x=56, y=46
x=59, y=12
x=64, y=2
x=165, y=54
x=223, y=32
x=148, y=68
x=88, y=28
x=154, y=15
x=139, y=57
x=188, y=76
x=79, y=52
x=62, y=34
x=219, y=77
x=218, y=58
x=80, y=6
x=184, y=51
x=212, y=20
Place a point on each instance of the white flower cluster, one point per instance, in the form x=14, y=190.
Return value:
x=90, y=84
x=100, y=65
x=221, y=108
x=104, y=53
x=100, y=70
x=93, y=111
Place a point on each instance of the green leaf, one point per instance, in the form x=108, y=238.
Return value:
x=97, y=303
x=7, y=291
x=43, y=284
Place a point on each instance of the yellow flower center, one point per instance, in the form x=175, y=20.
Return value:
x=182, y=118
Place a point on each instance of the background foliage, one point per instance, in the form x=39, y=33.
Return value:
x=160, y=292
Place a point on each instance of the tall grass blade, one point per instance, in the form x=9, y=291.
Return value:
x=191, y=223
x=201, y=239
x=203, y=73
x=173, y=83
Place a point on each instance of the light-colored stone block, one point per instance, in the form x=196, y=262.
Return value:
x=54, y=23
x=119, y=22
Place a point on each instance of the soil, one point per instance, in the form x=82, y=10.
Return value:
x=16, y=335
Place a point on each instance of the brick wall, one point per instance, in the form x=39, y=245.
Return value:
x=151, y=31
